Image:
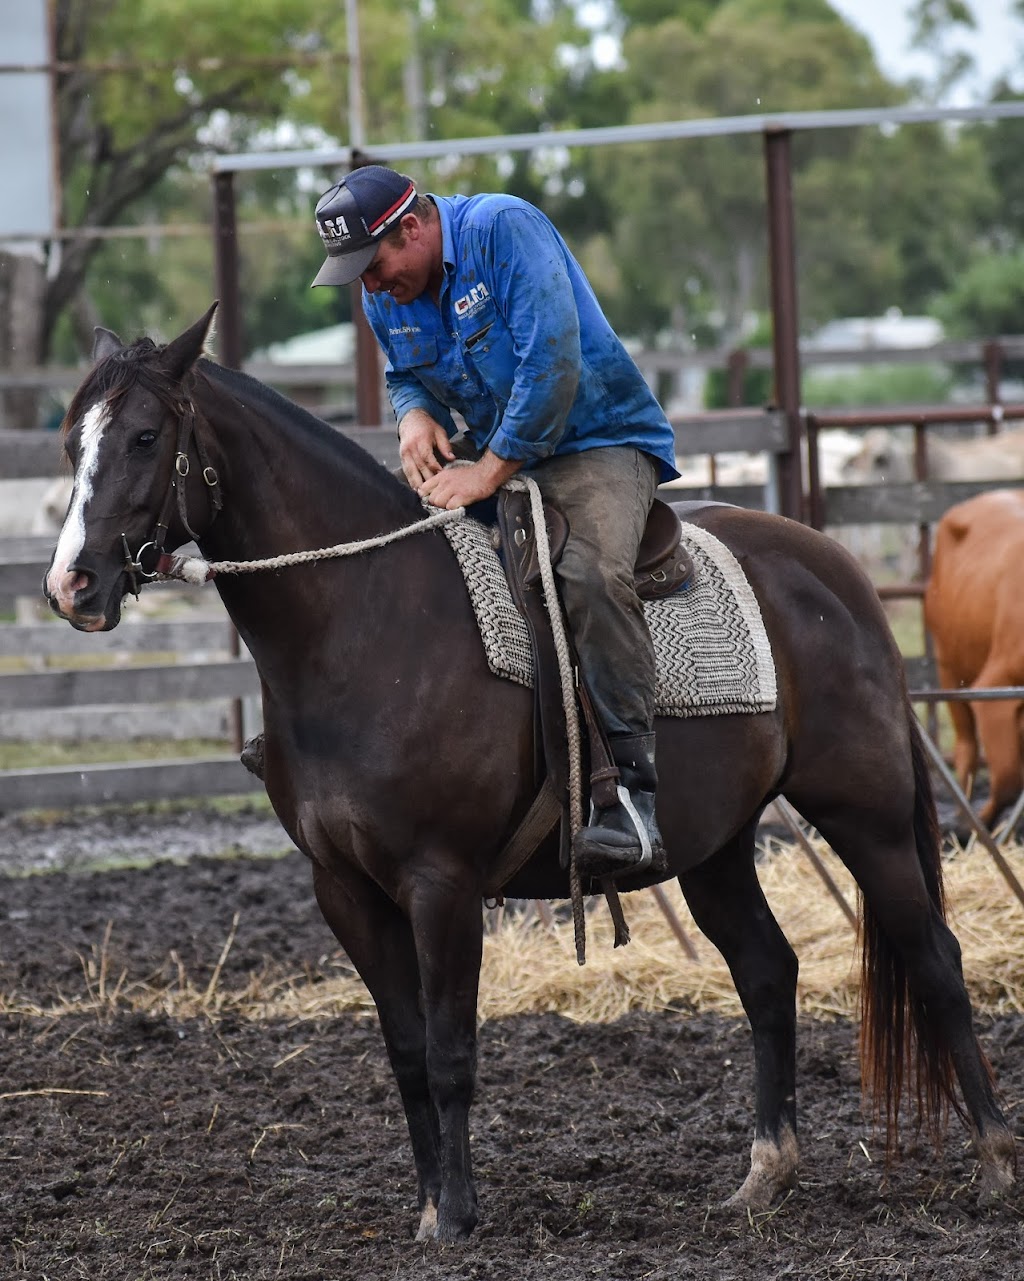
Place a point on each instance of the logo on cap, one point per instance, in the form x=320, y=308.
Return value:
x=333, y=229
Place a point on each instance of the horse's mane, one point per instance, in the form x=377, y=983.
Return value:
x=271, y=401
x=303, y=424
x=137, y=365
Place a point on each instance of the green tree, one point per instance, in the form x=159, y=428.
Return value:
x=936, y=26
x=690, y=232
x=987, y=299
x=883, y=217
x=147, y=89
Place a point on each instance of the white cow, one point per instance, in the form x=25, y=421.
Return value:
x=835, y=447
x=48, y=517
x=888, y=455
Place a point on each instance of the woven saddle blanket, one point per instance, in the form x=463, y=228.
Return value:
x=712, y=650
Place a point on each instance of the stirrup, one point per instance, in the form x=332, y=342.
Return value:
x=620, y=840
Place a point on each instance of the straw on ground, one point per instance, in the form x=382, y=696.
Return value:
x=529, y=964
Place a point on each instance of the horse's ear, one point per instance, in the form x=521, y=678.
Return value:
x=104, y=343
x=182, y=352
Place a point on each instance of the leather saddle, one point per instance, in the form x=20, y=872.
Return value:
x=663, y=565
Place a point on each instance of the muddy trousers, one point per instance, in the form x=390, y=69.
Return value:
x=606, y=495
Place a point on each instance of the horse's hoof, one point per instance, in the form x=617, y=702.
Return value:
x=998, y=1160
x=773, y=1172
x=428, y=1222
x=755, y=1197
x=454, y=1229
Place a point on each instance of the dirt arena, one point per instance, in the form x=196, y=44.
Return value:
x=140, y=1145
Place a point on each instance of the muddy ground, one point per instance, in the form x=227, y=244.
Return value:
x=134, y=1147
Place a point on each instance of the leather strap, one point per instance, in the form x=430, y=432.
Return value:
x=538, y=821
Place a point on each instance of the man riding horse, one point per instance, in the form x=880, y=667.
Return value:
x=481, y=309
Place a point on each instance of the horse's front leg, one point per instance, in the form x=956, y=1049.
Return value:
x=448, y=927
x=378, y=939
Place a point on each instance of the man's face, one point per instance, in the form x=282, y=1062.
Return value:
x=401, y=266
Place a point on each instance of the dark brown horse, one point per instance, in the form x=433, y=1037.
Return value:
x=401, y=766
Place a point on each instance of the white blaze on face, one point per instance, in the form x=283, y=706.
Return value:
x=72, y=534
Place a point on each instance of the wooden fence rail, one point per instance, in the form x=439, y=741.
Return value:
x=203, y=667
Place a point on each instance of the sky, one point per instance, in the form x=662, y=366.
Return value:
x=996, y=44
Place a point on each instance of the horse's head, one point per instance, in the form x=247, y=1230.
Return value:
x=130, y=435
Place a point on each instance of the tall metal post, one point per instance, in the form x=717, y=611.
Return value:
x=225, y=246
x=368, y=407
x=785, y=326
x=229, y=333
x=356, y=129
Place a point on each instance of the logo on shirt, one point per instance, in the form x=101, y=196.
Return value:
x=406, y=329
x=468, y=302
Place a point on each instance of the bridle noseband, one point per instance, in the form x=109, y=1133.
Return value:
x=153, y=550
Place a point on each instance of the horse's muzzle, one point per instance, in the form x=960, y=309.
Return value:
x=76, y=598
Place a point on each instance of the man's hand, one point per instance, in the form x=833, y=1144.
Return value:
x=418, y=437
x=459, y=486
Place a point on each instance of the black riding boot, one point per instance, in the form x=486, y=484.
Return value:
x=252, y=756
x=624, y=837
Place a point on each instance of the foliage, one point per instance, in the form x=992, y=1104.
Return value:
x=1000, y=143
x=757, y=387
x=911, y=384
x=121, y=132
x=672, y=234
x=199, y=78
x=936, y=26
x=987, y=298
x=697, y=207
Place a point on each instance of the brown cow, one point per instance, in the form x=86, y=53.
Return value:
x=974, y=609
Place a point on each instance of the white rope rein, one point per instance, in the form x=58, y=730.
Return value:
x=569, y=707
x=194, y=569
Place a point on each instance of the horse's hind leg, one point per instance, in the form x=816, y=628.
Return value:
x=913, y=985
x=727, y=903
x=909, y=947
x=378, y=940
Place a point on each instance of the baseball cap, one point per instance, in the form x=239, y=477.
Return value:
x=353, y=216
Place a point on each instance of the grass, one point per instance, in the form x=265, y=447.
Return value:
x=225, y=806
x=39, y=754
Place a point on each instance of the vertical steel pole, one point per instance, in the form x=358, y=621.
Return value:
x=992, y=354
x=356, y=129
x=225, y=243
x=815, y=498
x=785, y=326
x=229, y=333
x=368, y=408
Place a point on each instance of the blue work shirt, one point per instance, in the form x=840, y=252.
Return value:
x=517, y=343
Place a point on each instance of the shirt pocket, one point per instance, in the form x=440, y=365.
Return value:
x=411, y=351
x=478, y=333
x=487, y=347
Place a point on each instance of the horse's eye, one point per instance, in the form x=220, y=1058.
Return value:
x=146, y=439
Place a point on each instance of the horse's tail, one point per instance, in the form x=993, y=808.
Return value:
x=899, y=1048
